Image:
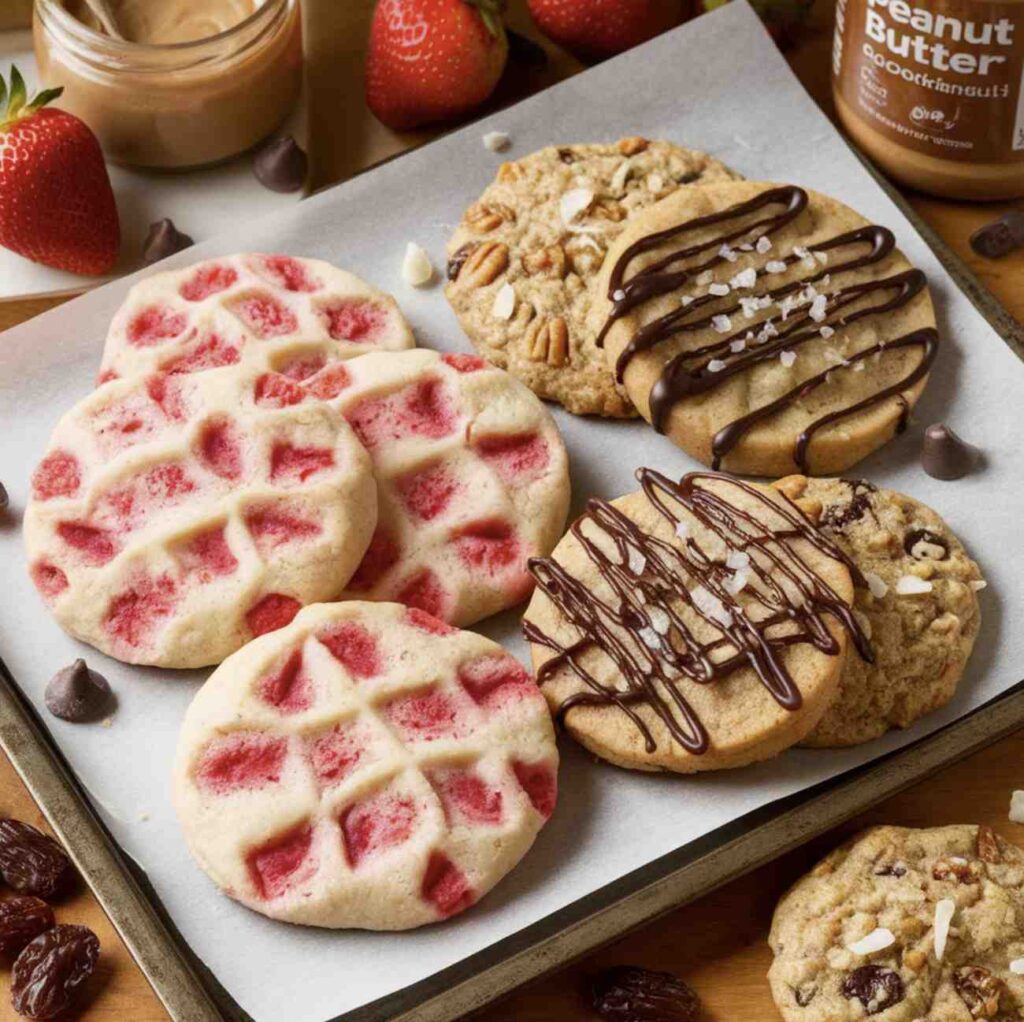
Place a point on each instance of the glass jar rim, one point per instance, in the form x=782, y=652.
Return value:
x=53, y=13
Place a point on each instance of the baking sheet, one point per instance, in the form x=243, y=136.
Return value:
x=718, y=84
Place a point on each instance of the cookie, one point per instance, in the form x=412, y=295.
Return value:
x=524, y=257
x=918, y=603
x=904, y=925
x=273, y=312
x=472, y=478
x=367, y=766
x=765, y=329
x=691, y=626
x=173, y=518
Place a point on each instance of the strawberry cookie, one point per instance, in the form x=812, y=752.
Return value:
x=275, y=312
x=368, y=766
x=174, y=518
x=472, y=477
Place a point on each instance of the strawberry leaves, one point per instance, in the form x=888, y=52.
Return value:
x=15, y=102
x=491, y=12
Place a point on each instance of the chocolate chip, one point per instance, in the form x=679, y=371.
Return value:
x=78, y=694
x=934, y=545
x=944, y=455
x=1001, y=237
x=525, y=52
x=281, y=165
x=162, y=240
x=4, y=499
x=876, y=987
x=457, y=260
x=567, y=155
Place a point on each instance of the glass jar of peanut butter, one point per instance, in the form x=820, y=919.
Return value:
x=173, y=83
x=933, y=91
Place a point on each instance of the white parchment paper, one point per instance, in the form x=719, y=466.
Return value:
x=716, y=84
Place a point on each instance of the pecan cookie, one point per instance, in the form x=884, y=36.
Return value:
x=522, y=261
x=691, y=626
x=904, y=925
x=765, y=329
x=918, y=604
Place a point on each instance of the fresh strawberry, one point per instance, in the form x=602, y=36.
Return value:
x=433, y=60
x=594, y=29
x=56, y=203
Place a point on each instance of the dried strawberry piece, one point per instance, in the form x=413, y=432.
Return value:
x=49, y=579
x=166, y=392
x=445, y=886
x=57, y=475
x=206, y=281
x=424, y=592
x=33, y=863
x=272, y=526
x=426, y=716
x=282, y=863
x=220, y=448
x=493, y=678
x=207, y=555
x=464, y=363
x=301, y=367
x=354, y=648
x=275, y=391
x=329, y=382
x=135, y=612
x=422, y=409
x=515, y=458
x=297, y=464
x=273, y=611
x=155, y=325
x=106, y=376
x=427, y=492
x=22, y=919
x=540, y=783
x=336, y=753
x=243, y=761
x=627, y=993
x=382, y=821
x=94, y=544
x=466, y=796
x=491, y=546
x=265, y=316
x=381, y=556
x=211, y=352
x=356, y=320
x=427, y=622
x=288, y=273
x=289, y=687
x=49, y=975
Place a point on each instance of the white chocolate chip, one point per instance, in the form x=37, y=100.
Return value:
x=876, y=584
x=876, y=940
x=1017, y=807
x=944, y=911
x=573, y=203
x=911, y=585
x=787, y=358
x=416, y=267
x=504, y=302
x=497, y=141
x=722, y=324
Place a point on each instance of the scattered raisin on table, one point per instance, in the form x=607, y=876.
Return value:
x=33, y=863
x=22, y=919
x=50, y=972
x=626, y=993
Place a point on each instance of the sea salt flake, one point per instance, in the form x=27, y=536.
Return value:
x=787, y=358
x=1017, y=807
x=719, y=290
x=705, y=277
x=660, y=621
x=687, y=300
x=737, y=559
x=826, y=332
x=818, y=308
x=573, y=203
x=716, y=365
x=944, y=911
x=911, y=585
x=737, y=583
x=745, y=278
x=877, y=940
x=497, y=141
x=745, y=247
x=710, y=605
x=821, y=257
x=728, y=254
x=737, y=346
x=775, y=266
x=504, y=302
x=767, y=331
x=721, y=323
x=416, y=267
x=1017, y=966
x=801, y=251
x=636, y=561
x=683, y=529
x=749, y=307
x=858, y=367
x=764, y=244
x=618, y=295
x=649, y=637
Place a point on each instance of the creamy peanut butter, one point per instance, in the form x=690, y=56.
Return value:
x=933, y=91
x=191, y=82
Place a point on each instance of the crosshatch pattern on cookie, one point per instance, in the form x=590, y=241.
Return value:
x=174, y=518
x=472, y=477
x=369, y=766
x=276, y=312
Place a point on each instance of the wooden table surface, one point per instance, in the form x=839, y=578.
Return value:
x=718, y=943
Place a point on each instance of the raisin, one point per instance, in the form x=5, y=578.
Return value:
x=988, y=845
x=979, y=990
x=33, y=863
x=22, y=920
x=458, y=259
x=626, y=993
x=50, y=972
x=893, y=869
x=875, y=986
x=961, y=870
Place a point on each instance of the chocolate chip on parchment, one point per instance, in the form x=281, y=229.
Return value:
x=163, y=240
x=78, y=694
x=281, y=165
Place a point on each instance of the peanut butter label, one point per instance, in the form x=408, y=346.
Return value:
x=944, y=78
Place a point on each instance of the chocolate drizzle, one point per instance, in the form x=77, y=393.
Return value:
x=641, y=628
x=689, y=373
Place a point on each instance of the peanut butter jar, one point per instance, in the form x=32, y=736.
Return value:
x=182, y=83
x=933, y=92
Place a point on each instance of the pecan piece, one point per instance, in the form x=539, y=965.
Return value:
x=484, y=264
x=811, y=507
x=961, y=870
x=632, y=145
x=509, y=172
x=547, y=340
x=546, y=262
x=988, y=843
x=484, y=217
x=979, y=990
x=586, y=260
x=792, y=486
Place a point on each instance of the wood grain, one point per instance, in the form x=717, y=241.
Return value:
x=718, y=943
